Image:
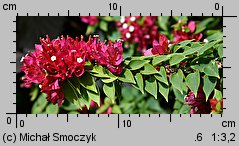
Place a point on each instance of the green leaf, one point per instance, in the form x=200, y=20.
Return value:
x=193, y=81
x=191, y=51
x=159, y=59
x=163, y=22
x=151, y=87
x=52, y=109
x=94, y=96
x=103, y=108
x=217, y=94
x=34, y=92
x=90, y=29
x=137, y=64
x=182, y=19
x=127, y=76
x=105, y=75
x=215, y=36
x=185, y=43
x=209, y=84
x=109, y=90
x=176, y=80
x=39, y=104
x=104, y=26
x=88, y=82
x=99, y=71
x=149, y=69
x=211, y=69
x=207, y=46
x=180, y=96
x=162, y=77
x=116, y=18
x=139, y=82
x=219, y=48
x=69, y=107
x=164, y=90
x=71, y=93
x=116, y=109
x=107, y=18
x=111, y=76
x=84, y=97
x=176, y=59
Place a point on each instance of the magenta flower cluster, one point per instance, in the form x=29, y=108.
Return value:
x=199, y=103
x=54, y=61
x=134, y=32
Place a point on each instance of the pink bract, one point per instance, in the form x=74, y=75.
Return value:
x=91, y=20
x=54, y=61
x=182, y=35
x=160, y=46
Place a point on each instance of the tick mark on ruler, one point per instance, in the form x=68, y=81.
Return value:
x=120, y=10
x=118, y=120
x=226, y=67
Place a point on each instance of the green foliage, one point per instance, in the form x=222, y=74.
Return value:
x=209, y=84
x=40, y=104
x=109, y=90
x=151, y=87
x=146, y=81
x=127, y=76
x=193, y=81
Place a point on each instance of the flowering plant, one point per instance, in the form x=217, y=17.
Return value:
x=183, y=68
